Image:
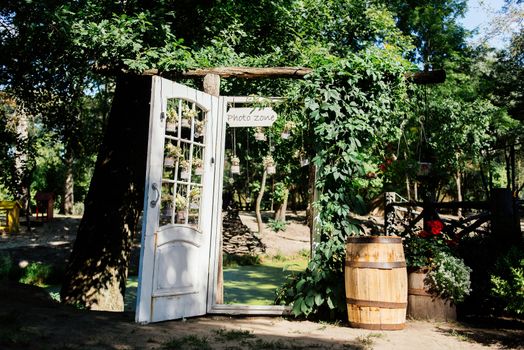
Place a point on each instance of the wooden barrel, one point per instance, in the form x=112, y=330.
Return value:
x=376, y=283
x=424, y=306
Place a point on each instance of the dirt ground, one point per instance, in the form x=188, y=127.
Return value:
x=295, y=238
x=29, y=319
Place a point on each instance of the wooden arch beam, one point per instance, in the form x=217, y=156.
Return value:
x=421, y=78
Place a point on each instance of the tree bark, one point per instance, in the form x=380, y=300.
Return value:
x=69, y=199
x=97, y=269
x=259, y=201
x=458, y=183
x=280, y=213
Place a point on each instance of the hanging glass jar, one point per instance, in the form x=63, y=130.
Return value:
x=235, y=165
x=259, y=134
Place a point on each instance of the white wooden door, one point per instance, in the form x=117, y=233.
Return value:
x=178, y=203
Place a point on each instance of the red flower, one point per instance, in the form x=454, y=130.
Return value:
x=382, y=167
x=435, y=226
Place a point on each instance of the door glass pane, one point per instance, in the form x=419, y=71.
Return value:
x=184, y=161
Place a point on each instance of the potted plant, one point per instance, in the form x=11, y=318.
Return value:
x=172, y=155
x=437, y=278
x=194, y=197
x=187, y=115
x=288, y=127
x=171, y=120
x=259, y=134
x=181, y=207
x=198, y=164
x=302, y=156
x=167, y=205
x=200, y=128
x=185, y=168
x=269, y=164
x=235, y=165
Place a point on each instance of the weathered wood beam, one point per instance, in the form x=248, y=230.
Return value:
x=238, y=72
x=422, y=77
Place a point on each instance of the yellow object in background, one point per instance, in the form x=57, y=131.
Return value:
x=9, y=216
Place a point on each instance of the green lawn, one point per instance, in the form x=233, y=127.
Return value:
x=252, y=284
x=257, y=284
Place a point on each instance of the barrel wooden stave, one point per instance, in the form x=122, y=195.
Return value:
x=376, y=283
x=424, y=306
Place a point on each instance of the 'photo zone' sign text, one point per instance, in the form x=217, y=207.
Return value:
x=250, y=117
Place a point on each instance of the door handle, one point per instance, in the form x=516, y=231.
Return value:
x=154, y=187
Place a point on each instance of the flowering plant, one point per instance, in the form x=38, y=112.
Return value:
x=429, y=250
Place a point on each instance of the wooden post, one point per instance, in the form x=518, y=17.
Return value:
x=503, y=223
x=211, y=86
x=389, y=212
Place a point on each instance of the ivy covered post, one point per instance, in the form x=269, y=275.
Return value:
x=354, y=105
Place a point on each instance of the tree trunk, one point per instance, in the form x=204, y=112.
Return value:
x=97, y=269
x=259, y=200
x=280, y=213
x=458, y=182
x=69, y=199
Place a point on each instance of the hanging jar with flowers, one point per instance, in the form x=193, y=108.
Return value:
x=259, y=134
x=185, y=169
x=200, y=127
x=235, y=165
x=198, y=164
x=181, y=207
x=269, y=164
x=194, y=198
x=172, y=155
x=302, y=157
x=187, y=115
x=288, y=127
x=171, y=120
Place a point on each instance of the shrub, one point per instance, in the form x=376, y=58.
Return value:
x=508, y=281
x=319, y=290
x=449, y=278
x=36, y=273
x=277, y=225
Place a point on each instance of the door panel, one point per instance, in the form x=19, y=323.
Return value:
x=176, y=234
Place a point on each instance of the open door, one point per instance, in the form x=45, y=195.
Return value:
x=178, y=203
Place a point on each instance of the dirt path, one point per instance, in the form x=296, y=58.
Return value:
x=30, y=320
x=289, y=242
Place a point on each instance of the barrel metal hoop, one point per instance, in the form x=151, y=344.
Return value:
x=418, y=291
x=376, y=265
x=375, y=239
x=372, y=303
x=378, y=327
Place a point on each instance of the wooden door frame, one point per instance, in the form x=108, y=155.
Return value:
x=216, y=227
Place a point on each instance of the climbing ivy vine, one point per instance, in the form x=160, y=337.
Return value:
x=354, y=106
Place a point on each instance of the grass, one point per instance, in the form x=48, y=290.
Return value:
x=256, y=284
x=243, y=284
x=368, y=341
x=189, y=342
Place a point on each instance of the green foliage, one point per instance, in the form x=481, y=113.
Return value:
x=319, y=290
x=37, y=274
x=420, y=252
x=449, y=277
x=277, y=225
x=507, y=281
x=353, y=104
